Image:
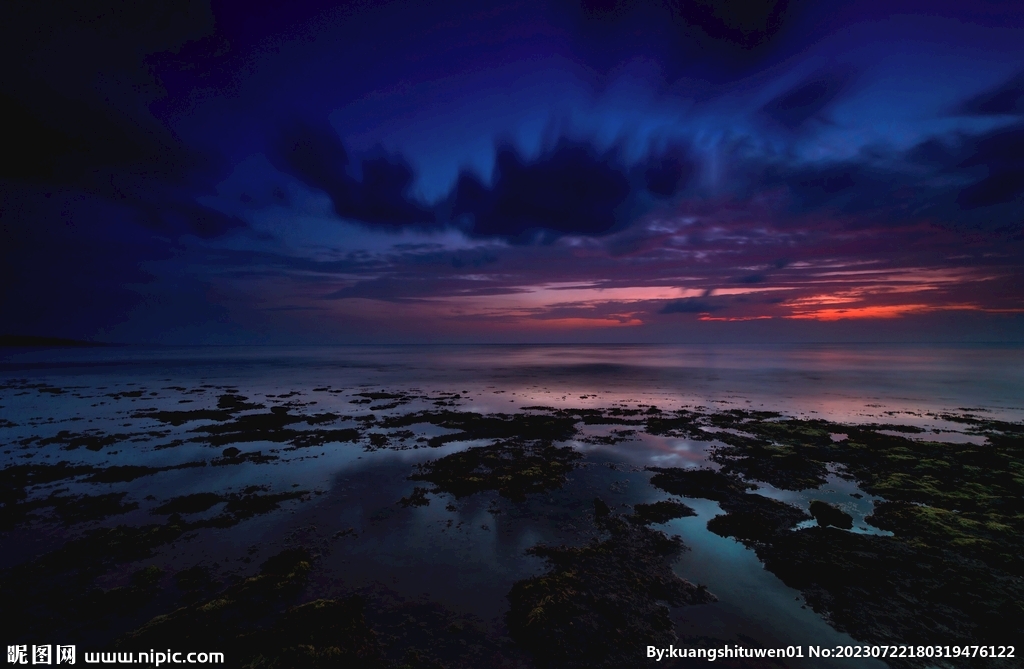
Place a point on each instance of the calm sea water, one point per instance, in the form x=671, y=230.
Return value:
x=466, y=556
x=837, y=378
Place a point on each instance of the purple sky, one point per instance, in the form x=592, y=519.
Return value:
x=454, y=172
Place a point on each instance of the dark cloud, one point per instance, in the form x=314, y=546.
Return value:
x=1004, y=186
x=1007, y=98
x=76, y=88
x=384, y=194
x=1002, y=153
x=992, y=163
x=412, y=286
x=808, y=100
x=944, y=178
x=76, y=91
x=728, y=35
x=850, y=187
x=462, y=260
x=722, y=40
x=689, y=305
x=935, y=153
x=78, y=267
x=575, y=189
x=93, y=185
x=668, y=173
x=186, y=217
x=572, y=189
x=31, y=149
x=744, y=23
x=386, y=289
x=316, y=156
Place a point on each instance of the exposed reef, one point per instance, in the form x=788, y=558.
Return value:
x=513, y=469
x=952, y=570
x=473, y=426
x=749, y=516
x=233, y=422
x=212, y=624
x=826, y=514
x=596, y=600
x=61, y=585
x=258, y=624
x=660, y=512
x=522, y=460
x=962, y=495
x=879, y=589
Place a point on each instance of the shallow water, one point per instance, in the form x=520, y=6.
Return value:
x=467, y=553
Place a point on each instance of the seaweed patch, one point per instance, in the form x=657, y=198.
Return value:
x=596, y=600
x=513, y=469
x=660, y=512
x=873, y=587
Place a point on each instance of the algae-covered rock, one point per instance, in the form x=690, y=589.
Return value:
x=217, y=623
x=470, y=426
x=878, y=589
x=596, y=600
x=319, y=634
x=698, y=483
x=511, y=468
x=660, y=512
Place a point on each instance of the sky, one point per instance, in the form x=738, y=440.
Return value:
x=409, y=172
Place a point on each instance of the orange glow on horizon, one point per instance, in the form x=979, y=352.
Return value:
x=709, y=317
x=834, y=295
x=891, y=311
x=879, y=311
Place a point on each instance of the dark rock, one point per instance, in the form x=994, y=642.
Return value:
x=595, y=601
x=660, y=512
x=513, y=468
x=698, y=483
x=828, y=515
